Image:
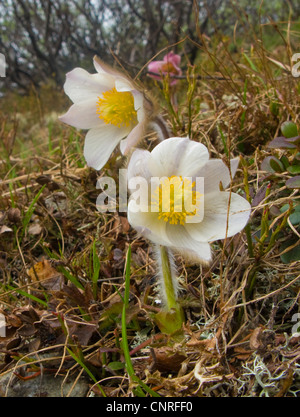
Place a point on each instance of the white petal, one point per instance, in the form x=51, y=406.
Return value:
x=139, y=105
x=103, y=68
x=81, y=85
x=83, y=115
x=123, y=85
x=148, y=224
x=138, y=165
x=195, y=155
x=123, y=146
x=183, y=243
x=214, y=224
x=214, y=172
x=177, y=156
x=166, y=155
x=133, y=138
x=234, y=163
x=200, y=254
x=100, y=143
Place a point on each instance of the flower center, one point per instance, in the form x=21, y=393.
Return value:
x=117, y=108
x=175, y=199
x=169, y=68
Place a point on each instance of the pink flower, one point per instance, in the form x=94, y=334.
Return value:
x=169, y=66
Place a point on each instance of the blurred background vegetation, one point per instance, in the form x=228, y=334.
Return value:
x=43, y=39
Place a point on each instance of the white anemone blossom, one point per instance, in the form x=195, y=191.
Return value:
x=110, y=106
x=224, y=213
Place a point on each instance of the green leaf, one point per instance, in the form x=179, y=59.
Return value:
x=274, y=108
x=169, y=321
x=295, y=218
x=289, y=129
x=292, y=255
x=294, y=169
x=284, y=160
x=116, y=366
x=276, y=165
x=272, y=164
x=284, y=208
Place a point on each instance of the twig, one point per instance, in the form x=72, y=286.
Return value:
x=183, y=77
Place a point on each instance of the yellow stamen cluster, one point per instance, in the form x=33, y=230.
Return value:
x=172, y=194
x=117, y=108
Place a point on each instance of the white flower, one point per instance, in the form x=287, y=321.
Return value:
x=110, y=106
x=224, y=213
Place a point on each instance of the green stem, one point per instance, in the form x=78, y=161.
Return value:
x=171, y=316
x=167, y=281
x=247, y=230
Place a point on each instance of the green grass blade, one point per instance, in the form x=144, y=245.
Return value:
x=125, y=346
x=96, y=269
x=25, y=294
x=254, y=68
x=145, y=387
x=30, y=211
x=86, y=370
x=129, y=366
x=223, y=140
x=139, y=392
x=70, y=277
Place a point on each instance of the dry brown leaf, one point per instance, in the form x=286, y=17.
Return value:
x=34, y=344
x=28, y=314
x=285, y=67
x=5, y=229
x=125, y=226
x=242, y=354
x=13, y=320
x=255, y=338
x=167, y=359
x=84, y=332
x=44, y=273
x=73, y=295
x=41, y=270
x=35, y=228
x=121, y=225
x=27, y=330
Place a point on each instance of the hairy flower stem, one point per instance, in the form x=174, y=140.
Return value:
x=167, y=281
x=171, y=316
x=161, y=127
